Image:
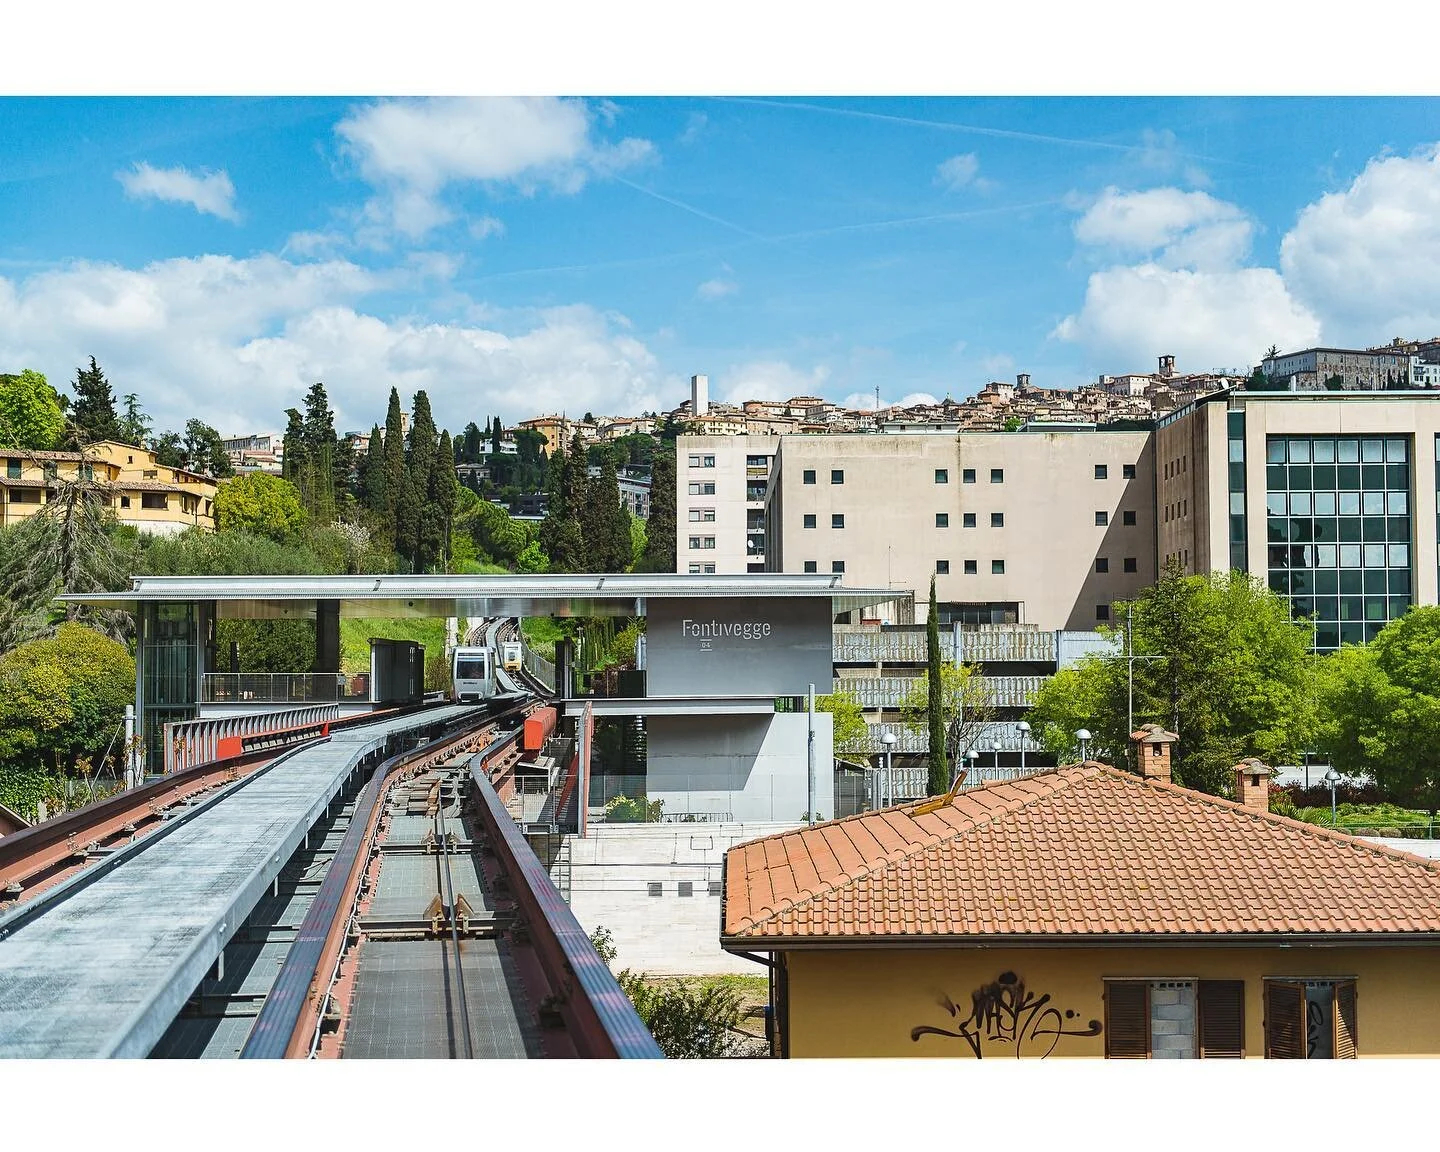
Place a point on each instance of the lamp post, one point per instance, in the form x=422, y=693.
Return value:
x=1084, y=737
x=887, y=738
x=972, y=756
x=1024, y=729
x=995, y=747
x=1331, y=778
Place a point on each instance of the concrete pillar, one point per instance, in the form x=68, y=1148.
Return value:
x=327, y=636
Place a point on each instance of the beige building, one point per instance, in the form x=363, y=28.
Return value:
x=143, y=493
x=1328, y=496
x=720, y=503
x=1033, y=527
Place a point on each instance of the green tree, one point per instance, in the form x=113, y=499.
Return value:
x=169, y=450
x=394, y=460
x=1380, y=709
x=1233, y=678
x=852, y=734
x=660, y=527
x=442, y=497
x=92, y=412
x=204, y=451
x=260, y=503
x=373, y=487
x=939, y=779
x=30, y=413
x=470, y=444
x=64, y=697
x=294, y=456
x=134, y=425
x=966, y=709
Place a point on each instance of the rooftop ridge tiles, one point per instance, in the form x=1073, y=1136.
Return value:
x=1318, y=831
x=766, y=914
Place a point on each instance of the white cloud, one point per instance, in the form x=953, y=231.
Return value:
x=1365, y=258
x=1189, y=228
x=1208, y=320
x=236, y=342
x=411, y=150
x=485, y=227
x=209, y=192
x=694, y=126
x=768, y=380
x=717, y=289
x=958, y=171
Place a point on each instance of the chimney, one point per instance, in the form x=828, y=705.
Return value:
x=1022, y=379
x=699, y=395
x=1167, y=366
x=1252, y=784
x=1152, y=751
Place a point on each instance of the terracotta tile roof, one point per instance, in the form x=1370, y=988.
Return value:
x=1080, y=851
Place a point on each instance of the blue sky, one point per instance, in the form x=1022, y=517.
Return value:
x=522, y=255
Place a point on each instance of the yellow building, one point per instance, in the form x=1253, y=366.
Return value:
x=142, y=492
x=1089, y=912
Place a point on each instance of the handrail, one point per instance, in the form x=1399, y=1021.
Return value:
x=601, y=1019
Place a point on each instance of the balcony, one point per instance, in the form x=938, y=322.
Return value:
x=1001, y=643
x=887, y=691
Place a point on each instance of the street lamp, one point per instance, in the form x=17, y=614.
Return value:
x=995, y=746
x=1084, y=737
x=1331, y=778
x=972, y=756
x=1024, y=729
x=887, y=738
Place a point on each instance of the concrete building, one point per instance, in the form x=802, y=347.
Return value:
x=1330, y=496
x=143, y=493
x=1313, y=369
x=721, y=483
x=1030, y=527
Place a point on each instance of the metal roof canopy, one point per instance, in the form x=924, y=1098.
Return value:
x=392, y=597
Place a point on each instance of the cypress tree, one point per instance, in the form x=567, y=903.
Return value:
x=660, y=527
x=583, y=508
x=93, y=410
x=394, y=464
x=935, y=701
x=440, y=505
x=294, y=455
x=372, y=474
x=419, y=539
x=613, y=544
x=470, y=446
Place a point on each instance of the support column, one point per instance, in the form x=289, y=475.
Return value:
x=327, y=636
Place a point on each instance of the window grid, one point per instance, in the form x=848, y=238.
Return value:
x=1239, y=548
x=1339, y=541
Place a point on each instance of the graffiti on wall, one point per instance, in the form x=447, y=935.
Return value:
x=1006, y=1012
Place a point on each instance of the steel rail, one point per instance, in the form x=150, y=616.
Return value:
x=443, y=847
x=597, y=1013
x=278, y=1029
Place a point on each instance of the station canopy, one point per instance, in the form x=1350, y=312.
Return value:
x=396, y=597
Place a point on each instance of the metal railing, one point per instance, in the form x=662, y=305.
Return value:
x=191, y=742
x=888, y=691
x=283, y=687
x=538, y=666
x=907, y=741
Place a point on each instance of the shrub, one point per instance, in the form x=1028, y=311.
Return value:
x=1282, y=803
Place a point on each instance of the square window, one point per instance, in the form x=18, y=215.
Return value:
x=942, y=520
x=1102, y=471
x=967, y=476
x=1127, y=519
x=972, y=567
x=1129, y=564
x=837, y=520
x=837, y=566
x=809, y=520
x=1102, y=564
x=1399, y=555
x=1349, y=503
x=1127, y=471
x=808, y=476
x=810, y=566
x=942, y=567
x=685, y=888
x=997, y=567
x=1102, y=612
x=967, y=519
x=1237, y=451
x=654, y=887
x=694, y=541
x=694, y=569
x=694, y=461
x=1102, y=519
x=1372, y=451
x=837, y=476
x=997, y=475
x=942, y=476
x=1323, y=451
x=1324, y=503
x=997, y=519
x=1396, y=452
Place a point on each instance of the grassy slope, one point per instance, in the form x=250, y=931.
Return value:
x=541, y=632
x=355, y=639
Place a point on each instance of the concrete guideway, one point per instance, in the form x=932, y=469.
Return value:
x=105, y=970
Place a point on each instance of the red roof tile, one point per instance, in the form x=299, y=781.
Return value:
x=1080, y=851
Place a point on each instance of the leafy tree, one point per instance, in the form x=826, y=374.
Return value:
x=169, y=450
x=532, y=559
x=660, y=528
x=92, y=412
x=260, y=503
x=852, y=734
x=64, y=697
x=134, y=426
x=638, y=542
x=1380, y=705
x=30, y=413
x=266, y=645
x=966, y=711
x=204, y=451
x=939, y=779
x=470, y=444
x=1234, y=678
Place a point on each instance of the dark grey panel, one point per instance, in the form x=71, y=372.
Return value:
x=716, y=647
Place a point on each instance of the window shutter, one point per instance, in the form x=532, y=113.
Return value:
x=1222, y=1019
x=1127, y=1020
x=1284, y=1021
x=1345, y=1020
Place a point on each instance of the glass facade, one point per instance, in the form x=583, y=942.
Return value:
x=170, y=662
x=1235, y=435
x=1338, y=531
